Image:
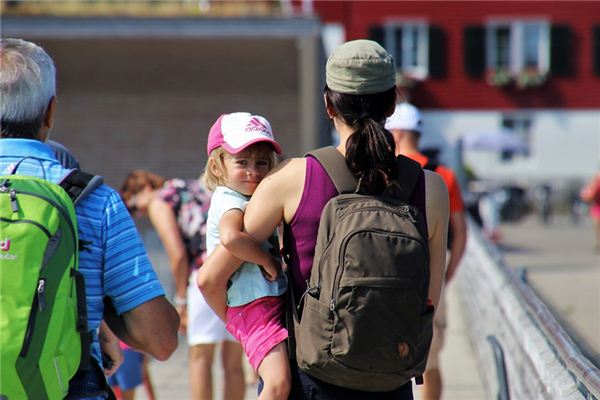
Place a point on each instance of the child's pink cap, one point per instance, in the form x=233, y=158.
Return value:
x=237, y=131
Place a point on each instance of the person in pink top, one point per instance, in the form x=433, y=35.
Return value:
x=359, y=96
x=591, y=195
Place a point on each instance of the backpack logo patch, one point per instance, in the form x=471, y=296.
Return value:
x=5, y=244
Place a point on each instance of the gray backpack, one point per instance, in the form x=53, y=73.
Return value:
x=365, y=322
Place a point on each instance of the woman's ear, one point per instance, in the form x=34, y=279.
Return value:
x=390, y=111
x=329, y=108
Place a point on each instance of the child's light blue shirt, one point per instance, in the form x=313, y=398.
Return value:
x=247, y=283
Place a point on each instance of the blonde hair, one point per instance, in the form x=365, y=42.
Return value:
x=218, y=155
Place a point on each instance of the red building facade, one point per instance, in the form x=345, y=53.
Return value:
x=459, y=74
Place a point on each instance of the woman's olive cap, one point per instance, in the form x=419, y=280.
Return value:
x=360, y=67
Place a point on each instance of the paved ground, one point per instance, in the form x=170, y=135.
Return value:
x=565, y=272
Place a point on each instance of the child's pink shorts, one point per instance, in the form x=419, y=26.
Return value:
x=258, y=326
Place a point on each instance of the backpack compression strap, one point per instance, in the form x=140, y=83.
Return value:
x=335, y=165
x=79, y=184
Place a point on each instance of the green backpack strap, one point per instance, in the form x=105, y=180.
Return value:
x=79, y=184
x=334, y=164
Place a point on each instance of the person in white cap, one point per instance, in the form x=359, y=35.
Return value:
x=241, y=151
x=406, y=127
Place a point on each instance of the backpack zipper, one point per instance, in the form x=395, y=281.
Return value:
x=41, y=294
x=37, y=305
x=14, y=205
x=60, y=209
x=27, y=221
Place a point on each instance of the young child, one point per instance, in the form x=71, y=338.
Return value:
x=241, y=152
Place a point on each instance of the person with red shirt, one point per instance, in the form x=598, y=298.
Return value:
x=406, y=126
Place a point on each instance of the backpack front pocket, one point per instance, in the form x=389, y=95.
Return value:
x=369, y=337
x=313, y=334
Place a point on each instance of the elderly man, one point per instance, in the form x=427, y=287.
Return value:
x=114, y=263
x=406, y=125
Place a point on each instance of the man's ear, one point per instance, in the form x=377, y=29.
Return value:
x=48, y=121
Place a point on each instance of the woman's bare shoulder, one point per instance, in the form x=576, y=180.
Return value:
x=287, y=170
x=435, y=185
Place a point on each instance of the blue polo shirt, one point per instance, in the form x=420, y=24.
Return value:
x=115, y=263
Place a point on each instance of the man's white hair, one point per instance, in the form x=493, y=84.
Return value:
x=27, y=81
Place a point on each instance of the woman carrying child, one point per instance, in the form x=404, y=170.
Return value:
x=359, y=96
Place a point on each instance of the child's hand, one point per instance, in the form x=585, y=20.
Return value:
x=271, y=269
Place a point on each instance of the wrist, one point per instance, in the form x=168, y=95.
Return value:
x=180, y=301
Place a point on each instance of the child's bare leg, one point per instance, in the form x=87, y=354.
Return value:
x=275, y=372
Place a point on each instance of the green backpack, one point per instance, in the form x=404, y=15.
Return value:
x=44, y=336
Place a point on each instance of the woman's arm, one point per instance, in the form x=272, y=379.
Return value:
x=164, y=222
x=275, y=198
x=437, y=205
x=243, y=246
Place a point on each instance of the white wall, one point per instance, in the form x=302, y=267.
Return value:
x=564, y=144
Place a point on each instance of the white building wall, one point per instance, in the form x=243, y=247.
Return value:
x=564, y=144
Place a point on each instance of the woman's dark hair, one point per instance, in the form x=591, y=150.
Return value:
x=370, y=151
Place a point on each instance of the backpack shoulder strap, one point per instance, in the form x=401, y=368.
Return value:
x=335, y=165
x=431, y=165
x=409, y=172
x=79, y=184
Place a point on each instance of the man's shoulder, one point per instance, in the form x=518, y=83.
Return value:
x=100, y=200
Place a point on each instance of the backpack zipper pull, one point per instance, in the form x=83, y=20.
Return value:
x=314, y=291
x=41, y=289
x=13, y=200
x=332, y=305
x=406, y=210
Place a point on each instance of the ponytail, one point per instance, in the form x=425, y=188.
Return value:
x=370, y=150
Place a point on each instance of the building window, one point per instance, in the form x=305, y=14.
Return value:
x=408, y=42
x=518, y=46
x=519, y=125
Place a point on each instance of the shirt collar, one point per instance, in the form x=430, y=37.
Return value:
x=20, y=148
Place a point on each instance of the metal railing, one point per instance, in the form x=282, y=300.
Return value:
x=581, y=368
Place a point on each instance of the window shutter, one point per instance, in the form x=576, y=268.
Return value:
x=596, y=49
x=437, y=52
x=377, y=34
x=474, y=51
x=561, y=60
x=398, y=49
